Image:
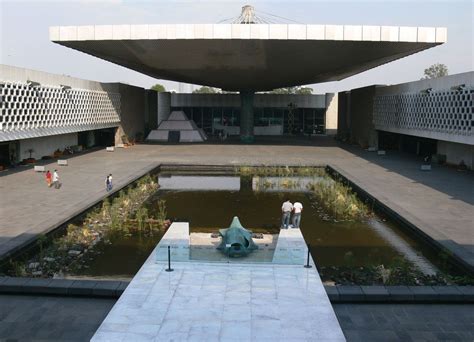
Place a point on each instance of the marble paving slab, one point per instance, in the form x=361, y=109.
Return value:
x=202, y=301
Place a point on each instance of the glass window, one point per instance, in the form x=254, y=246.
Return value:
x=227, y=116
x=207, y=119
x=259, y=117
x=197, y=116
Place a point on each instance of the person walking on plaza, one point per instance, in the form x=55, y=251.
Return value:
x=108, y=182
x=56, y=183
x=286, y=209
x=48, y=178
x=297, y=209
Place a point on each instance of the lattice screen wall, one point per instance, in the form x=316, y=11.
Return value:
x=448, y=112
x=27, y=111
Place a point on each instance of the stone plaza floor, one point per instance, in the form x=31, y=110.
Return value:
x=439, y=202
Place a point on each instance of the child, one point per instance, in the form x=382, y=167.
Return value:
x=48, y=178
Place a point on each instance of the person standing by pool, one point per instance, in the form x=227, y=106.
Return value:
x=297, y=209
x=286, y=209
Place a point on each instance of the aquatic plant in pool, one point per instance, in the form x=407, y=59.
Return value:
x=349, y=243
x=123, y=215
x=338, y=199
x=280, y=171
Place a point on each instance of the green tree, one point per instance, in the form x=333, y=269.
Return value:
x=304, y=91
x=292, y=90
x=205, y=90
x=435, y=71
x=158, y=88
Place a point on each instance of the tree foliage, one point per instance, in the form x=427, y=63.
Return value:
x=435, y=71
x=292, y=90
x=205, y=90
x=158, y=88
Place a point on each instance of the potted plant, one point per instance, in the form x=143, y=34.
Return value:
x=30, y=159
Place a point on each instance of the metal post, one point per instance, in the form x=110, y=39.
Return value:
x=169, y=269
x=307, y=260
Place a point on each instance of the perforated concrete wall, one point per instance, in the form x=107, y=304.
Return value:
x=442, y=115
x=28, y=111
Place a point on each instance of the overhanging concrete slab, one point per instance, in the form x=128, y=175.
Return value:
x=255, y=56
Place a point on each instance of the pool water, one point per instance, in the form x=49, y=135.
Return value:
x=209, y=202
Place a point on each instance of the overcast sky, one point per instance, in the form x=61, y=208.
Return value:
x=25, y=41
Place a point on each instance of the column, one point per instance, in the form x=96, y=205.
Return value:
x=246, y=116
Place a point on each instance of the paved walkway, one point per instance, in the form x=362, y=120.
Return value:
x=440, y=202
x=406, y=322
x=27, y=318
x=220, y=301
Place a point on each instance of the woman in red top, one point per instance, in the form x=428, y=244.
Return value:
x=48, y=178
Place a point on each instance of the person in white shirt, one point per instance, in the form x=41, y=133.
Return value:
x=56, y=179
x=297, y=209
x=286, y=209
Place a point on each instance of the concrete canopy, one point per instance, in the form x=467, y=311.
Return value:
x=248, y=56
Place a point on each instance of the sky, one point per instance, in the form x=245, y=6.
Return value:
x=25, y=39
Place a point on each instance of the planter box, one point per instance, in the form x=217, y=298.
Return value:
x=426, y=167
x=39, y=168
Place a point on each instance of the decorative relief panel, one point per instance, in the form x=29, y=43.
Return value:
x=32, y=111
x=449, y=112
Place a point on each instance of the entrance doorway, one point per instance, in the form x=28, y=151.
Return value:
x=8, y=154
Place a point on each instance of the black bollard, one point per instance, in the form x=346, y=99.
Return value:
x=307, y=260
x=169, y=269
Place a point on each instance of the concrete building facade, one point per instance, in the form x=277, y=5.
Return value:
x=274, y=114
x=426, y=117
x=42, y=112
x=248, y=56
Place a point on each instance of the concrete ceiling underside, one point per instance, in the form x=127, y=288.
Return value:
x=238, y=64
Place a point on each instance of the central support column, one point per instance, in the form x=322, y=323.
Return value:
x=246, y=116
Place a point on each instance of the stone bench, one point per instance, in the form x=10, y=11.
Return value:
x=426, y=167
x=62, y=162
x=40, y=168
x=110, y=149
